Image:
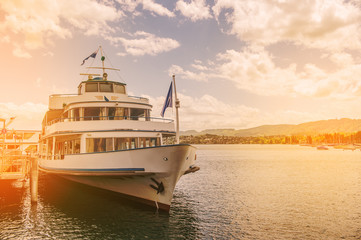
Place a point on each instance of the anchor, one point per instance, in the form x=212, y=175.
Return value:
x=159, y=187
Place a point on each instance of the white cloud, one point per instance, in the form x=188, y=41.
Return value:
x=208, y=112
x=90, y=16
x=156, y=8
x=28, y=115
x=144, y=43
x=149, y=5
x=254, y=70
x=342, y=59
x=185, y=74
x=195, y=10
x=319, y=24
x=32, y=24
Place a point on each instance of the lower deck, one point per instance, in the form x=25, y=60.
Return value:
x=57, y=146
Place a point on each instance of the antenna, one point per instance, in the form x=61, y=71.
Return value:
x=105, y=75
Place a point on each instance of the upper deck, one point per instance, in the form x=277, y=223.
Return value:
x=95, y=90
x=101, y=105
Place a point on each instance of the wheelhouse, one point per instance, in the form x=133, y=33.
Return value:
x=98, y=85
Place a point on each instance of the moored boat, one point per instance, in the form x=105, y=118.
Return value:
x=322, y=147
x=105, y=138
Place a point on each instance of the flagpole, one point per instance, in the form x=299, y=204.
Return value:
x=177, y=105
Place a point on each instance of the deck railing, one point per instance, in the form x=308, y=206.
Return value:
x=92, y=118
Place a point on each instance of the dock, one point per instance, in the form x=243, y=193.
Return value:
x=14, y=167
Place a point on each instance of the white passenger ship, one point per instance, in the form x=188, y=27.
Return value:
x=104, y=138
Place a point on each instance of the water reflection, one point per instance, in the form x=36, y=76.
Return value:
x=73, y=211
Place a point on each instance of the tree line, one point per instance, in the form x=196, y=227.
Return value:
x=326, y=138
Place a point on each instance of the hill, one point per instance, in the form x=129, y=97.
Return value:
x=344, y=125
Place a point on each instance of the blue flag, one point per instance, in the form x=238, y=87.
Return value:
x=106, y=99
x=168, y=100
x=93, y=55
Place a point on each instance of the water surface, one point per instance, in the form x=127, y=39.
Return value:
x=241, y=192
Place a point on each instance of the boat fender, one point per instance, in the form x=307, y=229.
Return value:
x=159, y=187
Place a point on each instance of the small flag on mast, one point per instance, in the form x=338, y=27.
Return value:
x=93, y=55
x=168, y=100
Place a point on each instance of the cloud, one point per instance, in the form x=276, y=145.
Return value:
x=318, y=24
x=149, y=5
x=33, y=24
x=205, y=112
x=208, y=112
x=185, y=74
x=156, y=8
x=144, y=43
x=28, y=115
x=255, y=70
x=195, y=10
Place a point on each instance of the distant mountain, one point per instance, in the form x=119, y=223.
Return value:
x=344, y=125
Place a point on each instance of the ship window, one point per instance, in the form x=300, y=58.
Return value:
x=148, y=142
x=90, y=145
x=133, y=143
x=76, y=146
x=153, y=142
x=106, y=87
x=111, y=113
x=136, y=113
x=109, y=144
x=125, y=143
x=76, y=114
x=91, y=87
x=99, y=144
x=119, y=114
x=92, y=113
x=121, y=143
x=119, y=88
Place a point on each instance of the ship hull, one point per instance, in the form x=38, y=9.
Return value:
x=147, y=175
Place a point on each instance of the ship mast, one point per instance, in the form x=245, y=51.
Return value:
x=102, y=58
x=105, y=75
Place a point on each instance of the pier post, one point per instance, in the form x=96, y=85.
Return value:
x=34, y=179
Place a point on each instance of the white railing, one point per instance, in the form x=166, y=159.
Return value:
x=93, y=118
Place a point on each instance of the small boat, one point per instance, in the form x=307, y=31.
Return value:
x=104, y=138
x=322, y=148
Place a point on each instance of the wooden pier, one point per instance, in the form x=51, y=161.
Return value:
x=20, y=167
x=14, y=167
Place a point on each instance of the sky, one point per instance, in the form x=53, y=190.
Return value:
x=238, y=63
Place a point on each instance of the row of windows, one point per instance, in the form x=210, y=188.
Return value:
x=106, y=113
x=103, y=87
x=64, y=147
x=111, y=144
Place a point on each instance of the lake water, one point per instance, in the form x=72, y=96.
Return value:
x=241, y=192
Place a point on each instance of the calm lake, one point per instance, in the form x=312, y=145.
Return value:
x=241, y=192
